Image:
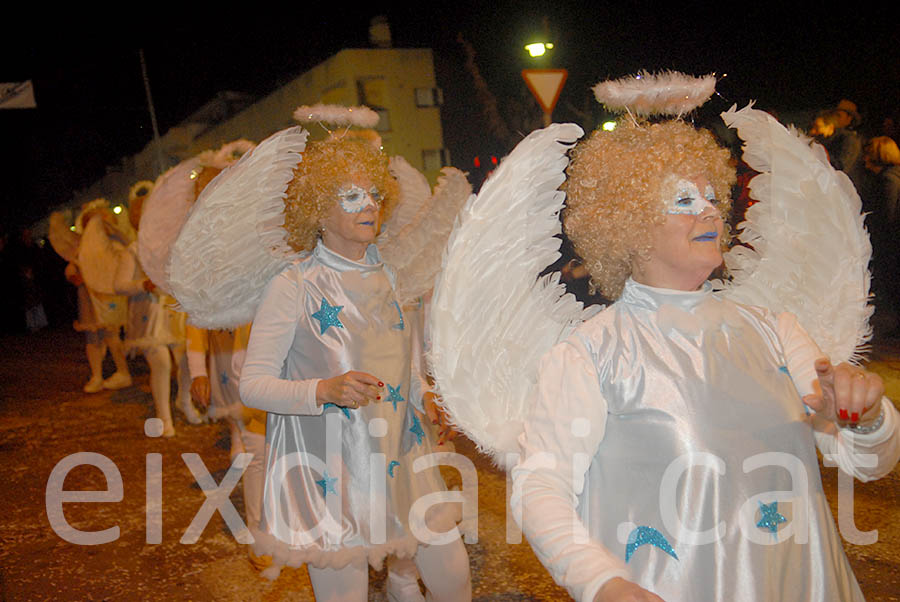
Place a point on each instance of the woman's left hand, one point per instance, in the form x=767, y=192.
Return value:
x=846, y=394
x=438, y=417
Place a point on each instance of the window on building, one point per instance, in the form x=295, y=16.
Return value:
x=429, y=97
x=434, y=159
x=384, y=120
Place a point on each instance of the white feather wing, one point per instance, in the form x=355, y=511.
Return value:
x=162, y=216
x=233, y=242
x=415, y=251
x=63, y=240
x=492, y=318
x=415, y=196
x=810, y=249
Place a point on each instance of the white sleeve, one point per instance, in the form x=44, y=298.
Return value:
x=262, y=384
x=559, y=440
x=840, y=446
x=125, y=270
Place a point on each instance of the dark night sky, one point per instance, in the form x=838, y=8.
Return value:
x=92, y=108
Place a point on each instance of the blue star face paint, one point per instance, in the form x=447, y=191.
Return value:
x=354, y=199
x=683, y=197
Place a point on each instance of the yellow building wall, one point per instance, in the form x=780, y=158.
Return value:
x=387, y=77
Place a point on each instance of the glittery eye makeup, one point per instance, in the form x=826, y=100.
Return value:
x=354, y=199
x=687, y=200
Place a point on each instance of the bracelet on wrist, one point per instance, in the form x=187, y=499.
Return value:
x=867, y=428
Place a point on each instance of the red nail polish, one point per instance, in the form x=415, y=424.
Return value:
x=843, y=414
x=854, y=417
x=378, y=397
x=380, y=384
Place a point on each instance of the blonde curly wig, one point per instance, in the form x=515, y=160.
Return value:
x=614, y=191
x=327, y=166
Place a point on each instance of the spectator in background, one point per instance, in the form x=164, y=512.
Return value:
x=834, y=129
x=881, y=199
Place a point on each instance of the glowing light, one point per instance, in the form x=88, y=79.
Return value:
x=609, y=126
x=117, y=209
x=72, y=228
x=537, y=49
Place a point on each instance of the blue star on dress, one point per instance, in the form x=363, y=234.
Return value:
x=394, y=395
x=770, y=517
x=399, y=325
x=328, y=316
x=344, y=410
x=112, y=305
x=416, y=429
x=327, y=484
x=394, y=464
x=647, y=536
x=224, y=378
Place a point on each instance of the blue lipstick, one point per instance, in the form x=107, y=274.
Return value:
x=707, y=236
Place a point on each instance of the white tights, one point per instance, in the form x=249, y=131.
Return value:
x=444, y=569
x=183, y=374
x=160, y=363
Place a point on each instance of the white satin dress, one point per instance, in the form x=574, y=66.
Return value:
x=670, y=447
x=340, y=483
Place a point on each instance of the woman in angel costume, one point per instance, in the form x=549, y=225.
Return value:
x=93, y=256
x=347, y=477
x=153, y=326
x=668, y=443
x=164, y=214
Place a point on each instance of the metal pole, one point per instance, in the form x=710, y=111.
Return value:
x=156, y=142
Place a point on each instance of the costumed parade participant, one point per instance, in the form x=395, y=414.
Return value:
x=665, y=447
x=101, y=312
x=153, y=326
x=165, y=211
x=253, y=441
x=214, y=379
x=328, y=358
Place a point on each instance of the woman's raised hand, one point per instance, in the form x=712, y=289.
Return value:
x=846, y=394
x=349, y=390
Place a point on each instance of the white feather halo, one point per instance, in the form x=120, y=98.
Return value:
x=665, y=93
x=141, y=188
x=230, y=152
x=360, y=116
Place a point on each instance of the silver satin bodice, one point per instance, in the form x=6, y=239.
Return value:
x=696, y=386
x=347, y=318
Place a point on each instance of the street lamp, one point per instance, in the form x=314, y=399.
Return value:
x=537, y=49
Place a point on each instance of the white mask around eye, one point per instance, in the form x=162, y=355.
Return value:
x=682, y=197
x=354, y=199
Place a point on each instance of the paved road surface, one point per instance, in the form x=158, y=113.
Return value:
x=44, y=417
